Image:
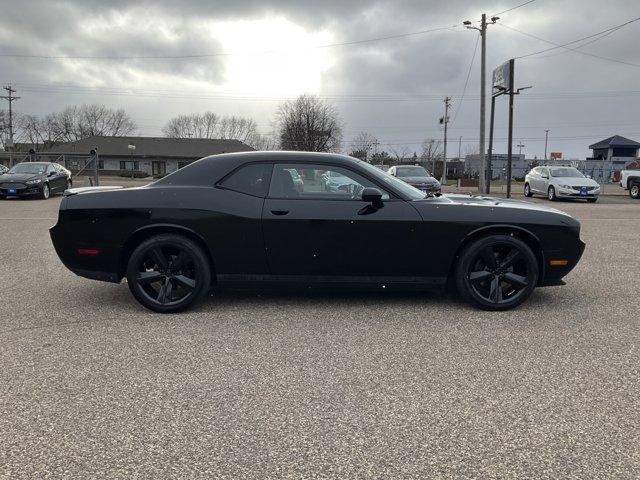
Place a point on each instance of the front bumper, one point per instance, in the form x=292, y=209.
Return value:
x=553, y=274
x=27, y=191
x=571, y=193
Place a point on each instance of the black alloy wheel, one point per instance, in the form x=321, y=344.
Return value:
x=168, y=273
x=527, y=190
x=497, y=272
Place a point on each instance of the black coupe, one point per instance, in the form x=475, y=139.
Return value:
x=239, y=220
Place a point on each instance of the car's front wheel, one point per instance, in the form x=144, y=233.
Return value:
x=634, y=191
x=45, y=192
x=497, y=272
x=527, y=190
x=168, y=273
x=551, y=193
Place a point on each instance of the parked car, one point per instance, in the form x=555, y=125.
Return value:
x=34, y=179
x=336, y=181
x=630, y=180
x=237, y=220
x=560, y=182
x=416, y=176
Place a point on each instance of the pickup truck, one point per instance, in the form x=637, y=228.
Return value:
x=630, y=180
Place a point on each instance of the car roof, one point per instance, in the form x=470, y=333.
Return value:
x=215, y=167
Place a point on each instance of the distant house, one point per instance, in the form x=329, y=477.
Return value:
x=151, y=155
x=610, y=156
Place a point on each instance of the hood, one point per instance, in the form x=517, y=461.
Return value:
x=19, y=177
x=497, y=202
x=418, y=180
x=575, y=182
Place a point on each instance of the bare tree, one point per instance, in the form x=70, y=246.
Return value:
x=195, y=125
x=431, y=151
x=364, y=146
x=309, y=124
x=399, y=152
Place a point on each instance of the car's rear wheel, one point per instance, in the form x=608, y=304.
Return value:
x=551, y=193
x=527, y=190
x=45, y=192
x=497, y=272
x=168, y=273
x=634, y=191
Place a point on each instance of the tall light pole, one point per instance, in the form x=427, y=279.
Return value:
x=445, y=120
x=483, y=81
x=546, y=140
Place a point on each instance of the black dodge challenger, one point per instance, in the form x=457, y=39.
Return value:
x=239, y=220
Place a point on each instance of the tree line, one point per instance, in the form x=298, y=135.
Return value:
x=306, y=123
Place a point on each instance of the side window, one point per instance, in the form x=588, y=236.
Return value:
x=321, y=182
x=250, y=179
x=51, y=169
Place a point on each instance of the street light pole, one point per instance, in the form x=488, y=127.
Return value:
x=546, y=140
x=483, y=88
x=445, y=120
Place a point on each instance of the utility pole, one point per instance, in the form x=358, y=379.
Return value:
x=445, y=120
x=520, y=147
x=459, y=148
x=483, y=88
x=546, y=140
x=11, y=99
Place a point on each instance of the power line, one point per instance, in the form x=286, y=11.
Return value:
x=221, y=54
x=513, y=8
x=466, y=82
x=565, y=45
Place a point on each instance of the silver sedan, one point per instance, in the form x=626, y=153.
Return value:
x=560, y=182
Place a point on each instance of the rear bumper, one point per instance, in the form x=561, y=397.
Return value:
x=103, y=266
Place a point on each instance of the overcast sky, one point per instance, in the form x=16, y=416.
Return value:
x=272, y=50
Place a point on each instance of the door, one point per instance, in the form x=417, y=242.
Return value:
x=324, y=229
x=543, y=183
x=57, y=180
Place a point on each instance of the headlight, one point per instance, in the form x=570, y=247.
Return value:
x=33, y=182
x=566, y=186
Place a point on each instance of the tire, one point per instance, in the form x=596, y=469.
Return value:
x=69, y=184
x=45, y=193
x=527, y=190
x=496, y=272
x=634, y=191
x=168, y=273
x=592, y=200
x=551, y=194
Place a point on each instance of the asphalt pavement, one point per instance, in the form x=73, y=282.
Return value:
x=324, y=385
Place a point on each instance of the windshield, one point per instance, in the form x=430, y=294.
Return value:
x=569, y=172
x=415, y=171
x=384, y=177
x=33, y=168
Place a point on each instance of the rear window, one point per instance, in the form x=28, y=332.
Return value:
x=250, y=179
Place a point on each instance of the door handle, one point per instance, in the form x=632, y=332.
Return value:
x=279, y=212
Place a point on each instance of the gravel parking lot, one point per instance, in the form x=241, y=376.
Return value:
x=324, y=385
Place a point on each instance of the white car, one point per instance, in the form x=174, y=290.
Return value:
x=560, y=182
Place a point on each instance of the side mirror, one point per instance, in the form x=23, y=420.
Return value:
x=545, y=176
x=51, y=174
x=373, y=196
